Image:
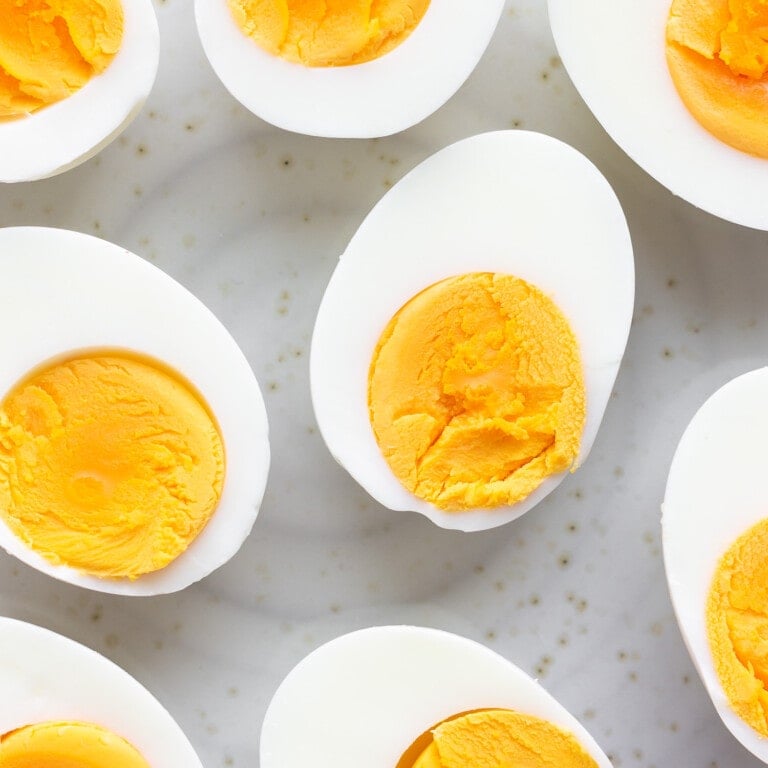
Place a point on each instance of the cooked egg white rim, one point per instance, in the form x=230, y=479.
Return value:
x=376, y=98
x=68, y=292
x=47, y=677
x=714, y=494
x=365, y=697
x=614, y=51
x=58, y=137
x=528, y=194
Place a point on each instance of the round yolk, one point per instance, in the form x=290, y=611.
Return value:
x=737, y=626
x=476, y=392
x=51, y=48
x=327, y=33
x=490, y=738
x=108, y=464
x=67, y=745
x=717, y=53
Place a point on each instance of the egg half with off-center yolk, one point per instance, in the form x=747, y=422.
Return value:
x=64, y=705
x=133, y=435
x=467, y=343
x=389, y=697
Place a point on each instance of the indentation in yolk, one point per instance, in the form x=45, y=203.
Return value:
x=737, y=626
x=109, y=464
x=67, y=745
x=327, y=33
x=717, y=53
x=476, y=392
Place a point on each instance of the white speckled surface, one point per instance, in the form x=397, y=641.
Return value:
x=252, y=219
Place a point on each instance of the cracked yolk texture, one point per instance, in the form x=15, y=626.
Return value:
x=67, y=745
x=717, y=52
x=51, y=48
x=737, y=626
x=328, y=33
x=496, y=737
x=108, y=464
x=476, y=392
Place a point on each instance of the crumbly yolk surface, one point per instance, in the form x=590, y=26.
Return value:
x=493, y=738
x=67, y=745
x=717, y=52
x=476, y=392
x=108, y=464
x=328, y=33
x=737, y=626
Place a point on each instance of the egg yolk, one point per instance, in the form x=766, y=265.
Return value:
x=737, y=626
x=490, y=738
x=476, y=392
x=109, y=464
x=328, y=33
x=717, y=53
x=67, y=745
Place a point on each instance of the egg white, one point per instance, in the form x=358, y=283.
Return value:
x=64, y=292
x=376, y=98
x=511, y=202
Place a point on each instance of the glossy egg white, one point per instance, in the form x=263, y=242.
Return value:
x=614, y=51
x=64, y=292
x=365, y=697
x=376, y=98
x=60, y=136
x=511, y=202
x=715, y=493
x=46, y=677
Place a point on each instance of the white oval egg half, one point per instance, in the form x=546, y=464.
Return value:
x=614, y=51
x=376, y=98
x=46, y=677
x=365, y=697
x=62, y=135
x=715, y=493
x=511, y=202
x=63, y=292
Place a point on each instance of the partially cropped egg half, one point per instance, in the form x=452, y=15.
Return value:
x=680, y=87
x=347, y=69
x=65, y=705
x=133, y=435
x=72, y=76
x=715, y=535
x=411, y=697
x=467, y=343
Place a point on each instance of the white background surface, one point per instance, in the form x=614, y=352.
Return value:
x=252, y=219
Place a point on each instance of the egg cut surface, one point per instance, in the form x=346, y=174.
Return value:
x=74, y=48
x=715, y=518
x=375, y=97
x=63, y=687
x=114, y=348
x=508, y=207
x=374, y=697
x=615, y=53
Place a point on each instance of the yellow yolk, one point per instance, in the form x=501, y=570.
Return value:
x=328, y=33
x=737, y=626
x=717, y=52
x=476, y=392
x=67, y=745
x=496, y=737
x=108, y=464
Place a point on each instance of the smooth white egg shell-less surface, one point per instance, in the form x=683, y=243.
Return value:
x=46, y=677
x=614, y=51
x=365, y=697
x=715, y=492
x=64, y=292
x=375, y=98
x=511, y=202
x=57, y=137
